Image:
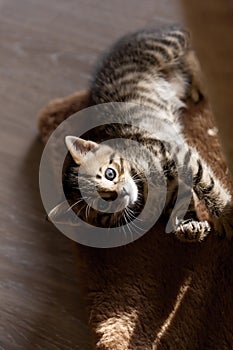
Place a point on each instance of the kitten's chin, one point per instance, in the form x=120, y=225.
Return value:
x=131, y=190
x=132, y=199
x=127, y=201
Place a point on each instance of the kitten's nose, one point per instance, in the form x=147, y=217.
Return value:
x=125, y=192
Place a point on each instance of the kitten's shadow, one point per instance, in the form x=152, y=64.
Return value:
x=58, y=317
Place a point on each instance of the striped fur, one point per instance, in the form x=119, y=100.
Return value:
x=155, y=69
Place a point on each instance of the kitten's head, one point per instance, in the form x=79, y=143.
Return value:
x=102, y=187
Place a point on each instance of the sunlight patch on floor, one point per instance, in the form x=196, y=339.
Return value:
x=163, y=329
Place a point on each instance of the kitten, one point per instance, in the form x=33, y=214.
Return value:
x=156, y=70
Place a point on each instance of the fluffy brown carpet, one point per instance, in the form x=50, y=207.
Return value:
x=158, y=293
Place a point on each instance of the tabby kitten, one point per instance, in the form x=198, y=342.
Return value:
x=157, y=70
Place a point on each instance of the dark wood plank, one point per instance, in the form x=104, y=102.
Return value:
x=47, y=49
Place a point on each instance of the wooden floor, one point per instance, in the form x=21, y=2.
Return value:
x=47, y=49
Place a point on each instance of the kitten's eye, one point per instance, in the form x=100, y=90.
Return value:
x=110, y=174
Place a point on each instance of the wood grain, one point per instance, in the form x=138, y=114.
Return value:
x=47, y=49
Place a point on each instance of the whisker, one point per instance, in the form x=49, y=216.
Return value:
x=133, y=223
x=127, y=225
x=120, y=224
x=73, y=205
x=87, y=208
x=130, y=211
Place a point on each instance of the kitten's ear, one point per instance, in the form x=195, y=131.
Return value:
x=79, y=148
x=63, y=214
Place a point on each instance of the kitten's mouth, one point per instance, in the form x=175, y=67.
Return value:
x=109, y=196
x=119, y=202
x=123, y=195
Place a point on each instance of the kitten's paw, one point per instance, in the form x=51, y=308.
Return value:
x=223, y=225
x=192, y=231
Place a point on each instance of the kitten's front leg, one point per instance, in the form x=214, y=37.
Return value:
x=216, y=198
x=208, y=189
x=189, y=229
